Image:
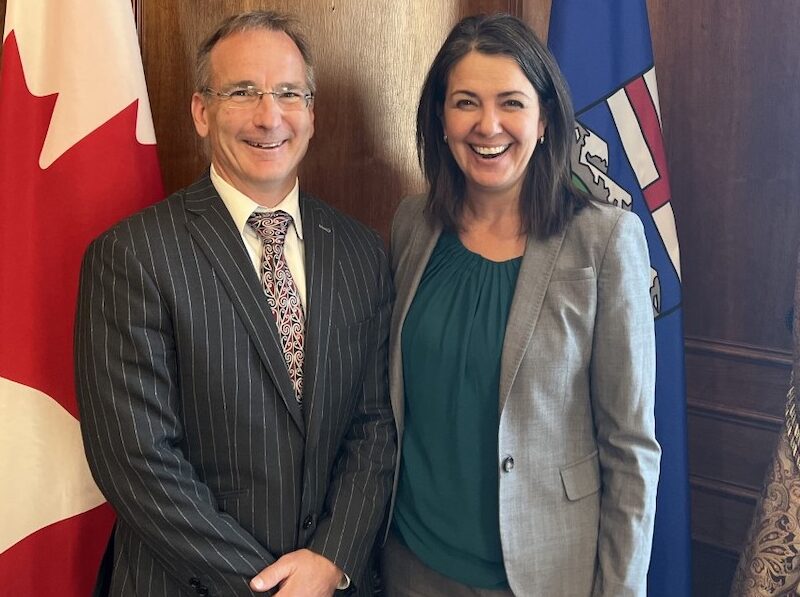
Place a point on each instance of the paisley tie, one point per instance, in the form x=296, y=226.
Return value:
x=282, y=295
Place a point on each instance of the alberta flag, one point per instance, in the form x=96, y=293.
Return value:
x=605, y=52
x=77, y=153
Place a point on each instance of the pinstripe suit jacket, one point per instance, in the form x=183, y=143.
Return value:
x=188, y=414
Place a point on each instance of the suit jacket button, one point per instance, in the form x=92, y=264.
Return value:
x=508, y=464
x=194, y=583
x=308, y=522
x=201, y=590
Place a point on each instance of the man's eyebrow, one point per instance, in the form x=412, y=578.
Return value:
x=282, y=85
x=291, y=85
x=240, y=84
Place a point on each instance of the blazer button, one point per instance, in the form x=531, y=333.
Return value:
x=201, y=590
x=308, y=522
x=508, y=464
x=194, y=583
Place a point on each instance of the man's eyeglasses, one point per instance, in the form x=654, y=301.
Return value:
x=249, y=97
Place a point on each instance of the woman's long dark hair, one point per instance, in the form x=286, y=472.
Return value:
x=548, y=198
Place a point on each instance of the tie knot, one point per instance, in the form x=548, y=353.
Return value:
x=270, y=226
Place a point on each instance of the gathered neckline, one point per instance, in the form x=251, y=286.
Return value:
x=460, y=245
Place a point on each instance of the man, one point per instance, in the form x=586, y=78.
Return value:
x=231, y=353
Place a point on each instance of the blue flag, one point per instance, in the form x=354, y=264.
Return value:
x=604, y=50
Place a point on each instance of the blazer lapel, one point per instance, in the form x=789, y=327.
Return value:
x=532, y=282
x=416, y=256
x=320, y=260
x=214, y=232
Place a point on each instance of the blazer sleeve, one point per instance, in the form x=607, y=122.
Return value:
x=623, y=399
x=361, y=482
x=126, y=376
x=409, y=212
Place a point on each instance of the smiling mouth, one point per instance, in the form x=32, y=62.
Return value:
x=265, y=145
x=488, y=152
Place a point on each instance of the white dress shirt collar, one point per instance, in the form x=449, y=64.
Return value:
x=241, y=206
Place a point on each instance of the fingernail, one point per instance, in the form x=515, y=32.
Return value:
x=257, y=583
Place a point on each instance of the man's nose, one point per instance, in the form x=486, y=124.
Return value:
x=267, y=112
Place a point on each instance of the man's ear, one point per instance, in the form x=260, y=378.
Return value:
x=200, y=114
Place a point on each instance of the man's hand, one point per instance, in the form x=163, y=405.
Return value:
x=301, y=573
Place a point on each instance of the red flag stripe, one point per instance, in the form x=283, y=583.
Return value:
x=30, y=568
x=47, y=218
x=645, y=110
x=657, y=193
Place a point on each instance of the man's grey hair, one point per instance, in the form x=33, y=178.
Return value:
x=268, y=20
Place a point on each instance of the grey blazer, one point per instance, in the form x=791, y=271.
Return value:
x=189, y=419
x=578, y=457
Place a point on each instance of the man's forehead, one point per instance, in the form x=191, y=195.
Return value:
x=250, y=40
x=244, y=55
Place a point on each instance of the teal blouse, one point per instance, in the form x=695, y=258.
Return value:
x=447, y=509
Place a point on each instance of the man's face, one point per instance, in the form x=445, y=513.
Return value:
x=258, y=148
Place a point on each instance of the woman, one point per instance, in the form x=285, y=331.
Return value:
x=523, y=363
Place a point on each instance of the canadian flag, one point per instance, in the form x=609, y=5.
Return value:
x=77, y=154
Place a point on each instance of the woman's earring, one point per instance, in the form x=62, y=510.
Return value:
x=445, y=138
x=541, y=139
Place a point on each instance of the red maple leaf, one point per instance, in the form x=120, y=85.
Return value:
x=47, y=218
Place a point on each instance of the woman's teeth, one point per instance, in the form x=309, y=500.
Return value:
x=490, y=152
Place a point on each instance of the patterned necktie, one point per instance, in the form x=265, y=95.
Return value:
x=282, y=295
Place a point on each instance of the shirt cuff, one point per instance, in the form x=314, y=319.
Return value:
x=344, y=583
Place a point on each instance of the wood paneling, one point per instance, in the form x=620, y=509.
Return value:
x=739, y=381
x=537, y=15
x=728, y=76
x=722, y=514
x=728, y=73
x=736, y=451
x=2, y=22
x=712, y=570
x=736, y=397
x=730, y=103
x=371, y=59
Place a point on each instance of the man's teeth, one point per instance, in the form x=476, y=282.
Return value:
x=265, y=145
x=489, y=151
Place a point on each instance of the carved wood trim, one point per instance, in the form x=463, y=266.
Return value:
x=737, y=351
x=724, y=489
x=730, y=506
x=724, y=550
x=733, y=414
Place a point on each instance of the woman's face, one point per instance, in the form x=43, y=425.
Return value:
x=492, y=120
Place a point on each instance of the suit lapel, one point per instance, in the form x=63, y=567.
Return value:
x=532, y=282
x=320, y=260
x=213, y=230
x=413, y=263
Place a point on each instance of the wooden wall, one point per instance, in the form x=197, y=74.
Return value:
x=371, y=59
x=728, y=79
